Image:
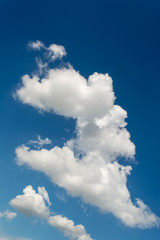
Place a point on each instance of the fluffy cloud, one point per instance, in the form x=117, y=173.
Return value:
x=56, y=51
x=8, y=214
x=97, y=182
x=31, y=203
x=68, y=228
x=100, y=124
x=102, y=137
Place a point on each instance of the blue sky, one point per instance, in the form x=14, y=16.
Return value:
x=120, y=38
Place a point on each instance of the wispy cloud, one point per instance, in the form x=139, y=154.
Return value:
x=40, y=142
x=52, y=52
x=8, y=214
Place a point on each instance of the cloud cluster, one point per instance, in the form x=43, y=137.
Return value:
x=35, y=204
x=102, y=138
x=8, y=214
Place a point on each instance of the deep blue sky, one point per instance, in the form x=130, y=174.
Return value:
x=118, y=37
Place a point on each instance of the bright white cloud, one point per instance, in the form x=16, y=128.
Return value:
x=8, y=214
x=100, y=124
x=95, y=181
x=79, y=98
x=31, y=203
x=102, y=137
x=69, y=228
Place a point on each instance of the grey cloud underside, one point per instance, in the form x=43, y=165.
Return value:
x=102, y=137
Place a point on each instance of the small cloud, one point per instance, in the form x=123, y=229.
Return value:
x=8, y=215
x=40, y=142
x=68, y=227
x=56, y=51
x=84, y=209
x=31, y=203
x=37, y=45
x=52, y=53
x=61, y=196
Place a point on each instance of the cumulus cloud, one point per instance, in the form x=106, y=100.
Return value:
x=69, y=228
x=100, y=123
x=102, y=138
x=97, y=182
x=8, y=214
x=79, y=97
x=31, y=203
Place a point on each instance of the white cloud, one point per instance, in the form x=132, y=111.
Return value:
x=37, y=45
x=40, y=142
x=56, y=51
x=69, y=228
x=8, y=214
x=53, y=52
x=95, y=181
x=79, y=98
x=31, y=203
x=100, y=124
x=102, y=137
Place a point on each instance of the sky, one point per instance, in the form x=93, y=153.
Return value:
x=79, y=132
